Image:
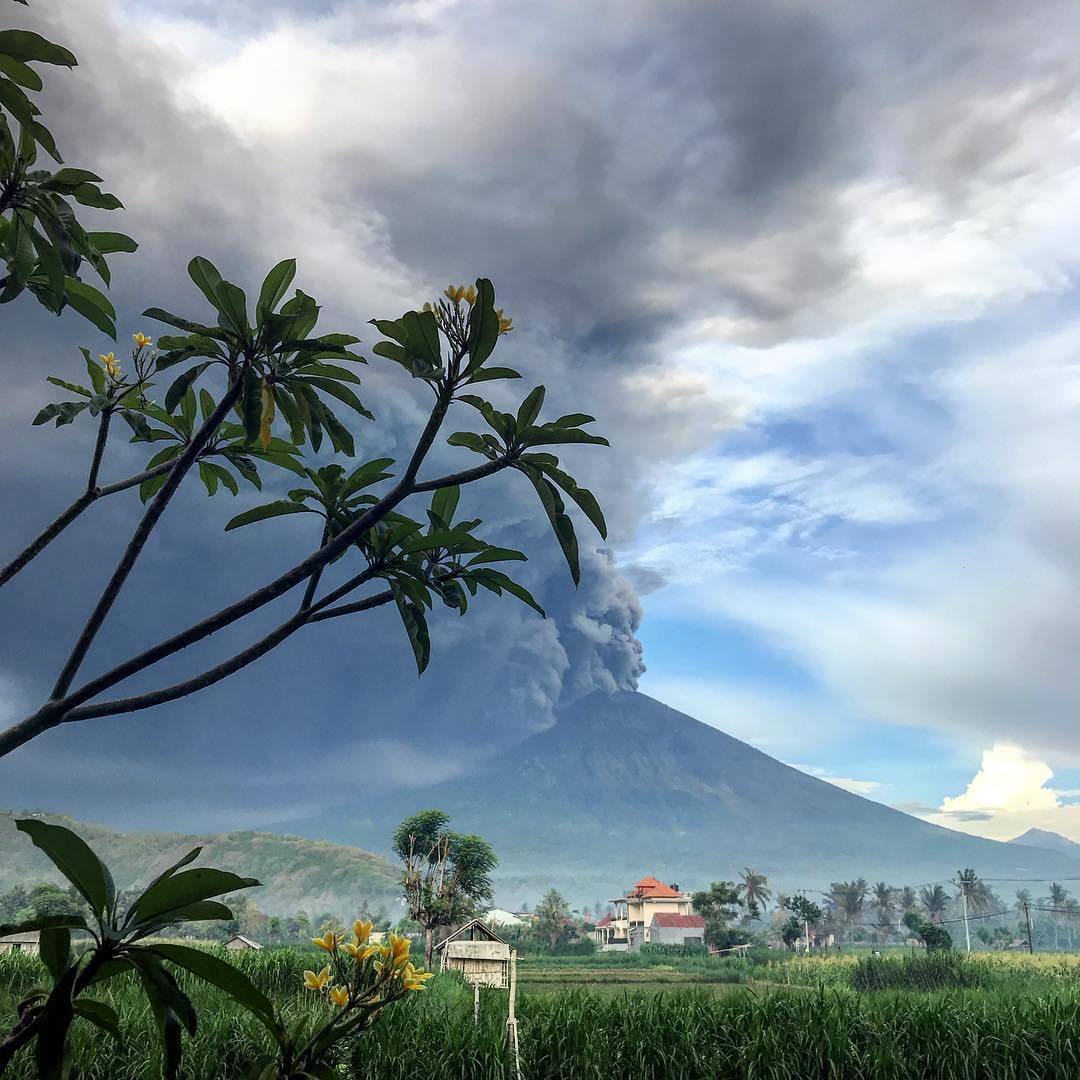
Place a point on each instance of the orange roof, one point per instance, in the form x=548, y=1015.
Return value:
x=652, y=887
x=605, y=921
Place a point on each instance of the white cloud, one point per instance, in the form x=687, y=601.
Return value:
x=856, y=787
x=1008, y=779
x=1010, y=794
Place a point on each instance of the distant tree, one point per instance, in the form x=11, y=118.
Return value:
x=908, y=900
x=275, y=928
x=718, y=905
x=884, y=903
x=1024, y=900
x=754, y=891
x=849, y=898
x=446, y=874
x=550, y=918
x=804, y=914
x=49, y=899
x=935, y=902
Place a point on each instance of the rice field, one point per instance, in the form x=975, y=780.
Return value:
x=1012, y=1017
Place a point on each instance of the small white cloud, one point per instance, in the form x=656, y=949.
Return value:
x=856, y=787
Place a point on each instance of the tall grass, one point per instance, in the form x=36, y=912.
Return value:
x=827, y=1033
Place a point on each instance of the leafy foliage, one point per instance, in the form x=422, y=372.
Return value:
x=446, y=874
x=42, y=244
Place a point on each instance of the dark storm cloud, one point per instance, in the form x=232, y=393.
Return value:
x=662, y=163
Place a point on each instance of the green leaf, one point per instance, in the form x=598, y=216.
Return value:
x=63, y=412
x=101, y=1016
x=206, y=277
x=224, y=476
x=274, y=288
x=582, y=496
x=19, y=72
x=108, y=243
x=498, y=554
x=483, y=325
x=547, y=436
x=184, y=888
x=233, y=307
x=181, y=385
x=269, y=510
x=161, y=315
x=444, y=503
x=91, y=305
x=530, y=409
x=16, y=102
x=491, y=373
x=55, y=950
x=342, y=393
x=561, y=525
x=72, y=178
x=209, y=478
x=26, y=45
x=225, y=977
x=169, y=1005
x=92, y=195
x=44, y=138
x=44, y=922
x=496, y=581
x=149, y=488
x=72, y=856
x=415, y=623
x=95, y=371
x=73, y=387
x=468, y=439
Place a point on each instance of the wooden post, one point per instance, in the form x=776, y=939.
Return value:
x=511, y=1017
x=1027, y=918
x=476, y=1002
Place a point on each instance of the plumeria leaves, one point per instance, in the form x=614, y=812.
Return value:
x=282, y=368
x=177, y=894
x=42, y=245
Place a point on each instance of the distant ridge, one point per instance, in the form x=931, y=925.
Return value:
x=296, y=873
x=1049, y=841
x=622, y=785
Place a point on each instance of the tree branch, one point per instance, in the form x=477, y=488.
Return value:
x=142, y=534
x=466, y=476
x=350, y=609
x=85, y=500
x=53, y=712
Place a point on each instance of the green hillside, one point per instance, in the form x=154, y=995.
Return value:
x=296, y=873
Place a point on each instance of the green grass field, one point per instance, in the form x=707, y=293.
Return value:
x=993, y=1016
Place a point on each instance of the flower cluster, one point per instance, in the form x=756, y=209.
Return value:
x=373, y=976
x=456, y=294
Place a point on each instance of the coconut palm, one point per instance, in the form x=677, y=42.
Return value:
x=754, y=891
x=935, y=902
x=884, y=903
x=908, y=900
x=849, y=897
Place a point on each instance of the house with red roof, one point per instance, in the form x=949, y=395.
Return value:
x=631, y=924
x=668, y=929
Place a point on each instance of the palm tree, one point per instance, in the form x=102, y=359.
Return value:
x=884, y=902
x=935, y=902
x=908, y=900
x=1023, y=899
x=849, y=897
x=754, y=891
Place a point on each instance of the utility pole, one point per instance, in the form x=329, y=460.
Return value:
x=806, y=927
x=962, y=883
x=1027, y=919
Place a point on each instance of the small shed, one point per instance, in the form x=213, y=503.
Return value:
x=239, y=943
x=29, y=942
x=479, y=954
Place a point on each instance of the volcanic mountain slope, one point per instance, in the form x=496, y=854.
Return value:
x=623, y=785
x=1050, y=841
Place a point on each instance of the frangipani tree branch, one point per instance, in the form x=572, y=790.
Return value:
x=242, y=659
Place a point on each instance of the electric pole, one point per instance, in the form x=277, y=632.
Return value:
x=1027, y=919
x=962, y=883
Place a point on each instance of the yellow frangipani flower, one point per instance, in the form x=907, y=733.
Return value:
x=110, y=364
x=141, y=340
x=417, y=980
x=454, y=293
x=470, y=295
x=339, y=995
x=362, y=930
x=399, y=946
x=317, y=982
x=427, y=306
x=506, y=323
x=329, y=941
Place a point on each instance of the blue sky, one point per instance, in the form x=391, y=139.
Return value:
x=813, y=267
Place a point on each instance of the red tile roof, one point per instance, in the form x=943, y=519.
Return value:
x=605, y=921
x=650, y=886
x=662, y=918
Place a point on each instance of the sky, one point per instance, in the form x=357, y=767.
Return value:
x=812, y=266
